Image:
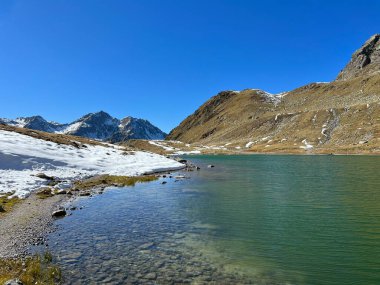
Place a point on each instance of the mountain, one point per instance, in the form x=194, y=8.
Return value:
x=338, y=116
x=132, y=128
x=35, y=122
x=99, y=126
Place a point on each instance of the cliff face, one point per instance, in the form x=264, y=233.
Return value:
x=341, y=115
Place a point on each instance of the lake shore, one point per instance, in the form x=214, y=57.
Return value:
x=27, y=224
x=32, y=218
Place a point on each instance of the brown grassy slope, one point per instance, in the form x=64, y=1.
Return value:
x=349, y=111
x=220, y=115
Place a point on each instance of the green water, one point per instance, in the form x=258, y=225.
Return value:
x=267, y=219
x=316, y=218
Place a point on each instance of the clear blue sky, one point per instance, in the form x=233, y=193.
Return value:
x=160, y=59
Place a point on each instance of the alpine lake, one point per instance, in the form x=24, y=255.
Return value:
x=251, y=219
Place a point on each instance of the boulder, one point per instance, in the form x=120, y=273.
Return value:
x=59, y=213
x=44, y=176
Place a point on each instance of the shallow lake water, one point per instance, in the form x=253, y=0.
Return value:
x=258, y=219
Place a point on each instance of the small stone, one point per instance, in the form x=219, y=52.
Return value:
x=2, y=210
x=61, y=192
x=164, y=182
x=146, y=246
x=210, y=166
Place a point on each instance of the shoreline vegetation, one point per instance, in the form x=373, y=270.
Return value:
x=36, y=269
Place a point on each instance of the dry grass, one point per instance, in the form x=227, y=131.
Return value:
x=145, y=146
x=111, y=180
x=6, y=203
x=32, y=270
x=44, y=193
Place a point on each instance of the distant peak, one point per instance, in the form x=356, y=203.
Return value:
x=101, y=113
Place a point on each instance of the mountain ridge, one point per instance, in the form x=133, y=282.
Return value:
x=98, y=125
x=344, y=113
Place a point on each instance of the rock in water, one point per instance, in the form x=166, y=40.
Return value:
x=59, y=213
x=151, y=276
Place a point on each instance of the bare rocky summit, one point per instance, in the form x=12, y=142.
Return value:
x=365, y=60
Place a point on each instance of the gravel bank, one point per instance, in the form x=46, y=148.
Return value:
x=26, y=225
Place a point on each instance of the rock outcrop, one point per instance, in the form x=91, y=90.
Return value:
x=364, y=61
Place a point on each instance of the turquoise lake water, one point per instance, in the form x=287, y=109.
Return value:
x=263, y=219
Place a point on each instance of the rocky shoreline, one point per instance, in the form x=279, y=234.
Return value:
x=29, y=222
x=27, y=225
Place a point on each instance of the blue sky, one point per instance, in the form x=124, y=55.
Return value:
x=162, y=59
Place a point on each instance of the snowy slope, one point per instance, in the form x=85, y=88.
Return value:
x=22, y=156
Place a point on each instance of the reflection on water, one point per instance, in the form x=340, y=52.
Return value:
x=251, y=219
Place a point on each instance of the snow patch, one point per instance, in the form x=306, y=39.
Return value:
x=306, y=146
x=21, y=157
x=249, y=144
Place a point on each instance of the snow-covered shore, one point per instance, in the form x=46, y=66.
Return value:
x=22, y=157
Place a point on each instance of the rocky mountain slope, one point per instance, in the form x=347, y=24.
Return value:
x=99, y=126
x=342, y=116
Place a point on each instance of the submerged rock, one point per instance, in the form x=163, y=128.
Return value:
x=151, y=276
x=147, y=245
